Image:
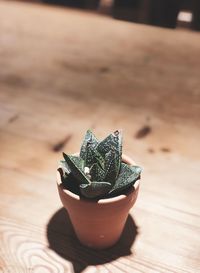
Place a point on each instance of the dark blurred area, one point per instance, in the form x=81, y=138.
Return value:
x=163, y=13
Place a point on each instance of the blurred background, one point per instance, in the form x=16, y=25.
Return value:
x=163, y=13
x=66, y=66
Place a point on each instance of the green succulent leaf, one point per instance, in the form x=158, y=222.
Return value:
x=128, y=176
x=93, y=156
x=95, y=189
x=98, y=162
x=69, y=182
x=97, y=173
x=112, y=143
x=111, y=167
x=89, y=139
x=64, y=166
x=76, y=165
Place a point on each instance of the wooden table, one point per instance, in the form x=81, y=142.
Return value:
x=63, y=71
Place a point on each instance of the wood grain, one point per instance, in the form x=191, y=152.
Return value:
x=64, y=71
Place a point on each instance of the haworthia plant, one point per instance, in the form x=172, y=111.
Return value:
x=98, y=171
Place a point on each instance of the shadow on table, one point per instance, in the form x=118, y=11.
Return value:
x=63, y=241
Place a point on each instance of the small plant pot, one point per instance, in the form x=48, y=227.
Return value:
x=98, y=224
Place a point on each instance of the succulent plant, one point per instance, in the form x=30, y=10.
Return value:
x=98, y=171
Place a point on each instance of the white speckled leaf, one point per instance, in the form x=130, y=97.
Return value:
x=111, y=167
x=76, y=165
x=97, y=173
x=93, y=156
x=128, y=176
x=64, y=166
x=111, y=142
x=95, y=189
x=89, y=139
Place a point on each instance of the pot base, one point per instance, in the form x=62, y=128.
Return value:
x=101, y=236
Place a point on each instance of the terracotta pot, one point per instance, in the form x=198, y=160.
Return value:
x=98, y=224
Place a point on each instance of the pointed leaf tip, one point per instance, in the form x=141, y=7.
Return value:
x=76, y=165
x=89, y=138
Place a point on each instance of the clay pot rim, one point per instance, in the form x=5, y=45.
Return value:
x=74, y=196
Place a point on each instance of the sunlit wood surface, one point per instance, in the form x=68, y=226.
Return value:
x=63, y=71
